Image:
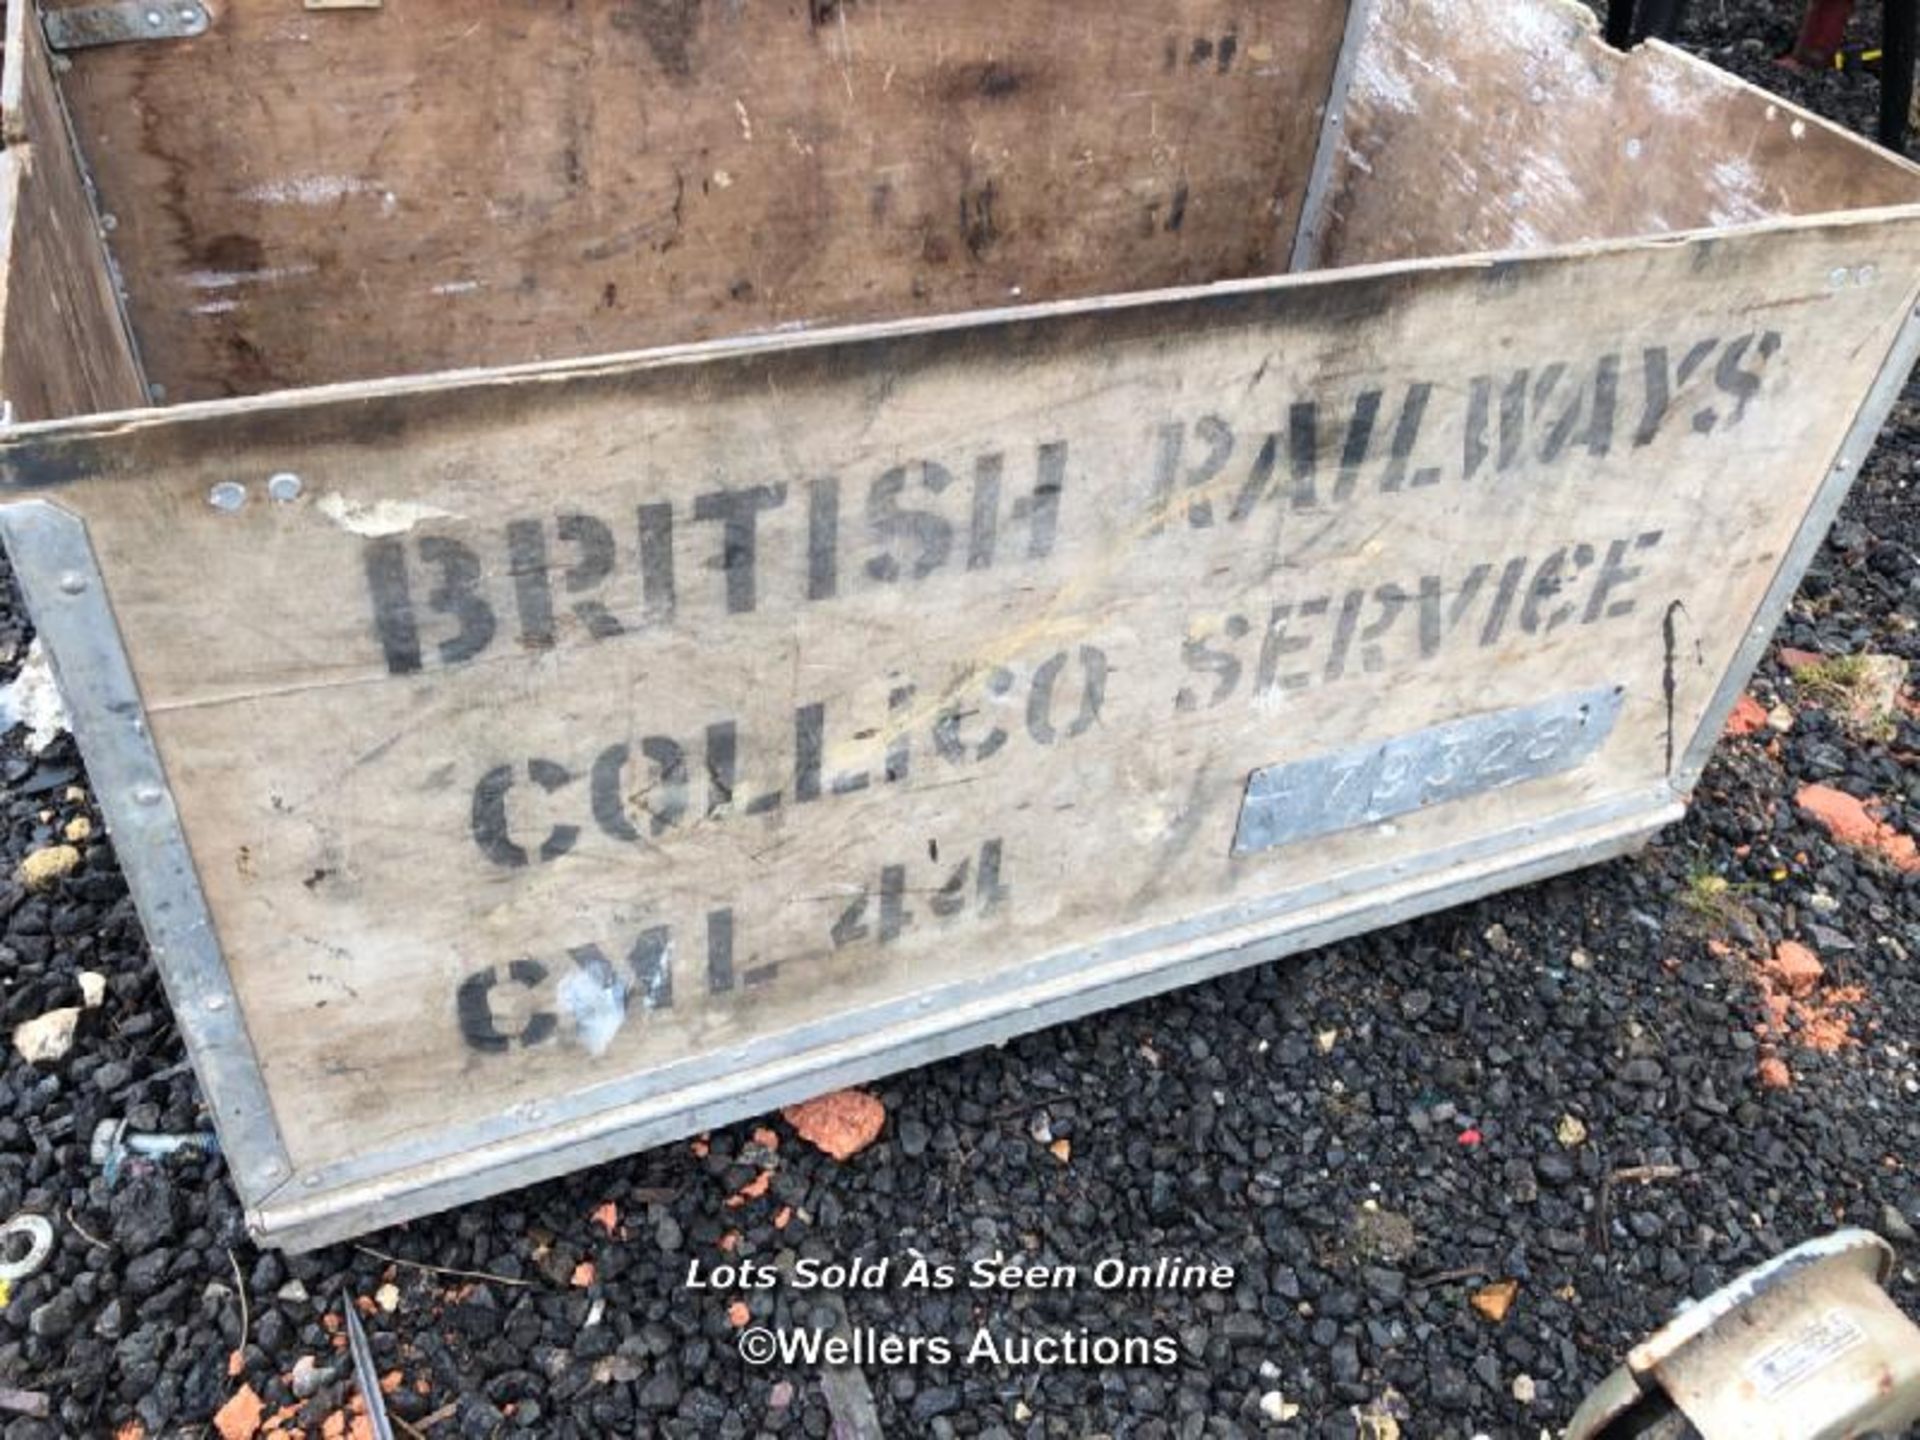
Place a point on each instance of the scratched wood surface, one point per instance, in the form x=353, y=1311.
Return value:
x=570, y=724
x=1537, y=133
x=315, y=196
x=63, y=346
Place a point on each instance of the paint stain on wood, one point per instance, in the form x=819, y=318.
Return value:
x=668, y=27
x=990, y=80
x=979, y=226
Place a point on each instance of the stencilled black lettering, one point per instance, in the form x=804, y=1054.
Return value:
x=577, y=576
x=1318, y=640
x=912, y=541
x=881, y=911
x=456, y=593
x=738, y=512
x=473, y=1005
x=663, y=796
x=492, y=830
x=1214, y=439
x=823, y=538
x=1201, y=657
x=593, y=567
x=1663, y=379
x=1092, y=689
x=636, y=792
x=394, y=624
x=532, y=592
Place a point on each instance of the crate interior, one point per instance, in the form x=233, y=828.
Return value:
x=312, y=195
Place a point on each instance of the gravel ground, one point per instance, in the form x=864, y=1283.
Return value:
x=1565, y=1089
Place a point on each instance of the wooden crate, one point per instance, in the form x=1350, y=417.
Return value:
x=1093, y=496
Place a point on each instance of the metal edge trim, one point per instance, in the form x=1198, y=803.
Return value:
x=60, y=579
x=70, y=135
x=299, y=1221
x=1305, y=254
x=1847, y=463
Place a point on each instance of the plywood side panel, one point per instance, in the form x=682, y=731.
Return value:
x=436, y=185
x=1492, y=125
x=64, y=348
x=569, y=729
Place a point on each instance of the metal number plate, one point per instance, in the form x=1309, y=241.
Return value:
x=1365, y=784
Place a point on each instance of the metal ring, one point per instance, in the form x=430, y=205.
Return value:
x=40, y=1232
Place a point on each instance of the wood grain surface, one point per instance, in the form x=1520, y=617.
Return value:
x=1537, y=133
x=64, y=348
x=308, y=196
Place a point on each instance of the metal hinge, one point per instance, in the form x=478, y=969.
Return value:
x=84, y=26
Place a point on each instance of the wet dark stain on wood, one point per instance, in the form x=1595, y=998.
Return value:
x=232, y=254
x=677, y=215
x=1502, y=274
x=978, y=225
x=668, y=27
x=248, y=371
x=985, y=80
x=37, y=467
x=1177, y=210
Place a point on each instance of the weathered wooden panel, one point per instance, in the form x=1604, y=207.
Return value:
x=560, y=738
x=64, y=348
x=1534, y=132
x=435, y=185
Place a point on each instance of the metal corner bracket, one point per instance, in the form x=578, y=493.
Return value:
x=60, y=578
x=82, y=27
x=1309, y=230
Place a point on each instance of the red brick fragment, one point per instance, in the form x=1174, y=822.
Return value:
x=1796, y=968
x=1748, y=716
x=1850, y=822
x=842, y=1124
